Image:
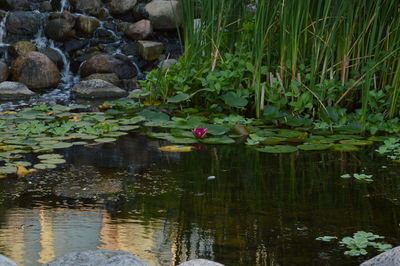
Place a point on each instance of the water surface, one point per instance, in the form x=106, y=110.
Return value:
x=261, y=209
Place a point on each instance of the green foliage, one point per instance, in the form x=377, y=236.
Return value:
x=390, y=148
x=359, y=177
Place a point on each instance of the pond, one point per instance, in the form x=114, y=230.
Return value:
x=260, y=209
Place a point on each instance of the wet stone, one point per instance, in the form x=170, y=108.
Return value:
x=149, y=50
x=14, y=91
x=97, y=88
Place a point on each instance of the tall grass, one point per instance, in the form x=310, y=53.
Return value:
x=355, y=44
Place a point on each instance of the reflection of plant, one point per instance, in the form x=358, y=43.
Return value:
x=358, y=244
x=360, y=177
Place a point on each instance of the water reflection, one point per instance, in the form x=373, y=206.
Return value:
x=261, y=209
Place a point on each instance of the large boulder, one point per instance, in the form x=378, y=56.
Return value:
x=105, y=63
x=87, y=25
x=14, y=5
x=23, y=23
x=119, y=7
x=164, y=15
x=97, y=88
x=102, y=257
x=4, y=72
x=140, y=30
x=200, y=262
x=59, y=29
x=109, y=77
x=388, y=258
x=4, y=261
x=86, y=6
x=35, y=70
x=10, y=90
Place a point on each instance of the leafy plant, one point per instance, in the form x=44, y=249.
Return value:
x=360, y=241
x=360, y=177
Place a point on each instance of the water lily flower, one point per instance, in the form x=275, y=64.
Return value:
x=200, y=132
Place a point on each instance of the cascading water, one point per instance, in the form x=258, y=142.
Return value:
x=64, y=5
x=3, y=31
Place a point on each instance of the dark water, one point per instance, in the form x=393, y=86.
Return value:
x=261, y=209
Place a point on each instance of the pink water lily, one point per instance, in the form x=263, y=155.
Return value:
x=200, y=132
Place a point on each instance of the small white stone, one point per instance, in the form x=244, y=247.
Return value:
x=211, y=177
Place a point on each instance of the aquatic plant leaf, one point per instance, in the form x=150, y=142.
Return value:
x=43, y=166
x=131, y=121
x=356, y=142
x=176, y=148
x=10, y=169
x=314, y=147
x=278, y=149
x=216, y=130
x=326, y=238
x=152, y=116
x=127, y=128
x=233, y=100
x=218, y=140
x=105, y=140
x=53, y=161
x=179, y=98
x=182, y=133
x=180, y=140
x=50, y=156
x=59, y=145
x=273, y=140
x=319, y=140
x=346, y=176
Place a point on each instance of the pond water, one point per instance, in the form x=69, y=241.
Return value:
x=261, y=209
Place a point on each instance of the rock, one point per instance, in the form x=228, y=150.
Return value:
x=140, y=30
x=87, y=25
x=3, y=71
x=103, y=257
x=4, y=261
x=149, y=50
x=166, y=64
x=164, y=15
x=388, y=258
x=54, y=56
x=86, y=6
x=200, y=262
x=45, y=6
x=97, y=88
x=105, y=36
x=109, y=77
x=59, y=29
x=21, y=48
x=74, y=45
x=119, y=7
x=35, y=70
x=23, y=23
x=15, y=5
x=105, y=63
x=10, y=90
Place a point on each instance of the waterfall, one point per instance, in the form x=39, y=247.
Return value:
x=3, y=30
x=64, y=5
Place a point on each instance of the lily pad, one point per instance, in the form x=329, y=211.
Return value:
x=314, y=147
x=176, y=148
x=127, y=128
x=43, y=166
x=273, y=140
x=53, y=161
x=220, y=140
x=50, y=156
x=8, y=169
x=105, y=140
x=278, y=149
x=132, y=121
x=59, y=145
x=356, y=142
x=180, y=140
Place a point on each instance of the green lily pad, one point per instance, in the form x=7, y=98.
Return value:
x=105, y=140
x=344, y=147
x=59, y=145
x=273, y=140
x=50, y=156
x=8, y=170
x=319, y=140
x=314, y=147
x=131, y=121
x=278, y=149
x=356, y=142
x=220, y=140
x=23, y=163
x=76, y=143
x=43, y=166
x=182, y=133
x=53, y=161
x=180, y=140
x=115, y=134
x=127, y=128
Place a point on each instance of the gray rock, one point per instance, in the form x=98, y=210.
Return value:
x=4, y=261
x=140, y=30
x=23, y=23
x=119, y=7
x=166, y=64
x=200, y=262
x=164, y=15
x=97, y=88
x=86, y=6
x=149, y=50
x=109, y=77
x=10, y=90
x=102, y=257
x=388, y=258
x=4, y=71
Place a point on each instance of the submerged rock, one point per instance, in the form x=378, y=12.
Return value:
x=149, y=50
x=200, y=262
x=35, y=70
x=10, y=90
x=164, y=15
x=4, y=261
x=98, y=258
x=388, y=258
x=105, y=63
x=97, y=88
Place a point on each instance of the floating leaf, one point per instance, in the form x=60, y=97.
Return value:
x=53, y=161
x=356, y=142
x=176, y=148
x=50, y=156
x=344, y=147
x=43, y=166
x=59, y=145
x=278, y=149
x=105, y=140
x=132, y=121
x=8, y=169
x=127, y=128
x=220, y=140
x=273, y=140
